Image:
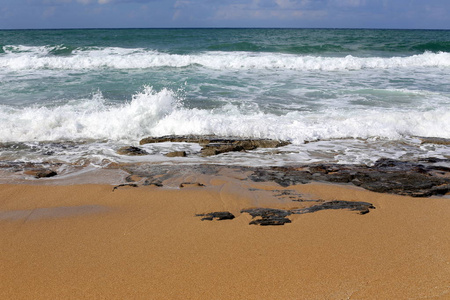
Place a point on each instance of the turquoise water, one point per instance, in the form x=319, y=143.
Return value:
x=338, y=95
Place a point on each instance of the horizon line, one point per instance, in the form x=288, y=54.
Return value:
x=225, y=27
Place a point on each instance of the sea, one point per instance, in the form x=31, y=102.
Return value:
x=344, y=96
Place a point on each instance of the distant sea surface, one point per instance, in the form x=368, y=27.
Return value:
x=341, y=96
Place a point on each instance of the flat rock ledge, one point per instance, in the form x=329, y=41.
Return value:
x=213, y=145
x=275, y=217
x=424, y=178
x=416, y=179
x=434, y=140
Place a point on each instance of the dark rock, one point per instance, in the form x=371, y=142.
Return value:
x=274, y=221
x=362, y=207
x=124, y=185
x=434, y=140
x=191, y=184
x=408, y=183
x=268, y=216
x=41, y=173
x=218, y=215
x=284, y=176
x=131, y=150
x=199, y=139
x=271, y=216
x=153, y=182
x=176, y=154
x=133, y=178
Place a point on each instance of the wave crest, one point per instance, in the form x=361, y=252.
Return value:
x=160, y=113
x=68, y=58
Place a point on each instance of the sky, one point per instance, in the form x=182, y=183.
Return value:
x=404, y=14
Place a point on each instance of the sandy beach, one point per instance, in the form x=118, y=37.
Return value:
x=90, y=241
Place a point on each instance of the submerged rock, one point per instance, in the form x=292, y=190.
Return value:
x=176, y=154
x=41, y=173
x=131, y=150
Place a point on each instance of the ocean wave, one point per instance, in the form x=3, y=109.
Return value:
x=68, y=58
x=440, y=46
x=158, y=113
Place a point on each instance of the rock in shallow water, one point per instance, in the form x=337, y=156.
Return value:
x=41, y=173
x=176, y=154
x=131, y=150
x=213, y=145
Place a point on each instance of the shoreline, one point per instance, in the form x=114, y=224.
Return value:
x=141, y=240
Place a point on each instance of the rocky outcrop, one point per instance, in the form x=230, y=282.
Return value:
x=434, y=140
x=423, y=178
x=271, y=216
x=213, y=145
x=385, y=176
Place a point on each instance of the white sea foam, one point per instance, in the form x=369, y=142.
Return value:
x=26, y=58
x=89, y=119
x=160, y=113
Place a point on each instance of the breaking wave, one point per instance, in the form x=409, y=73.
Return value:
x=160, y=113
x=70, y=58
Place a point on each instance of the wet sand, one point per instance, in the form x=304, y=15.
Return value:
x=90, y=242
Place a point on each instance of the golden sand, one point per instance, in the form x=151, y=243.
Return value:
x=90, y=242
